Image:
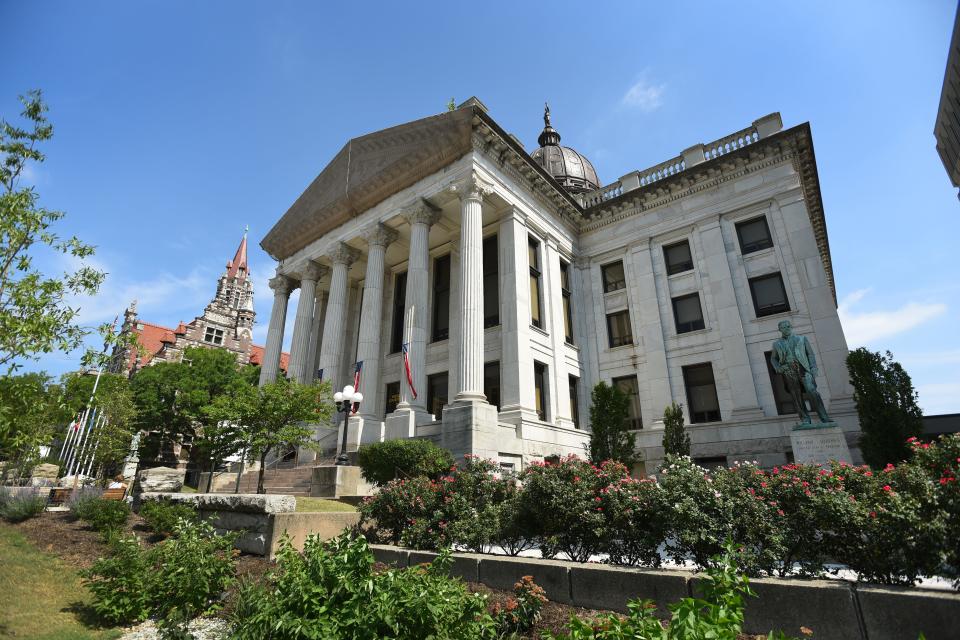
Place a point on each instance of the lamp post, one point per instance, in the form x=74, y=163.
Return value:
x=345, y=400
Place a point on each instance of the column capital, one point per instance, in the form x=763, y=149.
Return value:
x=342, y=253
x=514, y=213
x=421, y=212
x=281, y=285
x=312, y=271
x=472, y=187
x=379, y=235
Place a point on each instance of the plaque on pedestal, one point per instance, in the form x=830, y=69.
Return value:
x=819, y=445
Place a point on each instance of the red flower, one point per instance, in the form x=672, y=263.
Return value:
x=887, y=488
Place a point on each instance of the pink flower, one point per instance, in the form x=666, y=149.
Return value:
x=887, y=488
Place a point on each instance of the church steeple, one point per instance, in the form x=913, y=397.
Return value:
x=237, y=268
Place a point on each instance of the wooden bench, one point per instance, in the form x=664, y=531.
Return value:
x=59, y=495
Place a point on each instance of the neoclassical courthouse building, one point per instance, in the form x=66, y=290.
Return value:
x=510, y=283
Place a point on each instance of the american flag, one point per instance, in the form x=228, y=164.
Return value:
x=406, y=367
x=356, y=383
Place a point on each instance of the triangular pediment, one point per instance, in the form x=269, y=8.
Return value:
x=366, y=171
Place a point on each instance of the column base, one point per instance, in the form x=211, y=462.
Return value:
x=371, y=430
x=469, y=396
x=516, y=415
x=403, y=422
x=471, y=428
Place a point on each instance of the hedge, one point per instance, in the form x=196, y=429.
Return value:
x=890, y=526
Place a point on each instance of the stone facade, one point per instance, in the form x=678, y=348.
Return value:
x=514, y=296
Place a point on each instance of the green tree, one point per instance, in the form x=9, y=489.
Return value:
x=610, y=436
x=887, y=406
x=35, y=312
x=276, y=415
x=30, y=408
x=676, y=440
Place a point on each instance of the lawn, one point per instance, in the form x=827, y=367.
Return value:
x=43, y=598
x=306, y=505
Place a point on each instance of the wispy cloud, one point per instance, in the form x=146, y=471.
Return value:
x=863, y=327
x=644, y=95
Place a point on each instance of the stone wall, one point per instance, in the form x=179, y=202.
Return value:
x=834, y=609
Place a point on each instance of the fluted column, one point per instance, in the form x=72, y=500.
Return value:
x=282, y=286
x=470, y=372
x=331, y=350
x=417, y=305
x=378, y=237
x=300, y=366
x=316, y=330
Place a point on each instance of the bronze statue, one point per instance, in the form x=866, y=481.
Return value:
x=793, y=358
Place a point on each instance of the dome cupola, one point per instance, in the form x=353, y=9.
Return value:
x=573, y=171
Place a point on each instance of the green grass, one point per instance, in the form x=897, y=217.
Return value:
x=305, y=505
x=186, y=489
x=42, y=597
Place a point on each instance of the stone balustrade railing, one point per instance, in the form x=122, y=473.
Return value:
x=766, y=126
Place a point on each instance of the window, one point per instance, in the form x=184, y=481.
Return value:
x=754, y=235
x=540, y=389
x=441, y=299
x=613, y=278
x=678, y=258
x=769, y=296
x=213, y=336
x=565, y=292
x=618, y=329
x=628, y=385
x=701, y=393
x=573, y=383
x=491, y=383
x=436, y=393
x=536, y=303
x=491, y=283
x=781, y=395
x=393, y=397
x=687, y=313
x=712, y=462
x=399, y=304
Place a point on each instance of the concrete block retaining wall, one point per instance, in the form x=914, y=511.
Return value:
x=834, y=609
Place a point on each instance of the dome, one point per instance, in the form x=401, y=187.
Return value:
x=571, y=169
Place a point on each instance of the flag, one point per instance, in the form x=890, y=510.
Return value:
x=320, y=374
x=356, y=384
x=406, y=367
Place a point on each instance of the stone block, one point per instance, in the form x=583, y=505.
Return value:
x=891, y=613
x=596, y=586
x=827, y=606
x=394, y=556
x=161, y=479
x=335, y=481
x=500, y=572
x=819, y=445
x=45, y=471
x=237, y=520
x=298, y=526
x=465, y=566
x=233, y=502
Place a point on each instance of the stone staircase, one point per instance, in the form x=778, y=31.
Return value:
x=293, y=481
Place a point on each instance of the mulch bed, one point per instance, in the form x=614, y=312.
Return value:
x=78, y=545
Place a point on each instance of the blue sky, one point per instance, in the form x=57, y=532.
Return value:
x=177, y=123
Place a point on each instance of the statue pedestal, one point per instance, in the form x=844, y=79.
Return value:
x=819, y=445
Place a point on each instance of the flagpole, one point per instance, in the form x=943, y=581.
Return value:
x=93, y=393
x=100, y=424
x=81, y=426
x=72, y=428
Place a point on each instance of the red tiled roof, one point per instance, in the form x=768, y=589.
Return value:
x=151, y=337
x=256, y=356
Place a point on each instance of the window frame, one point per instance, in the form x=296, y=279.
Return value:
x=536, y=281
x=567, y=295
x=541, y=384
x=629, y=335
x=437, y=331
x=753, y=248
x=696, y=416
x=431, y=392
x=214, y=336
x=573, y=389
x=769, y=310
x=635, y=422
x=673, y=269
x=399, y=309
x=386, y=397
x=616, y=285
x=487, y=366
x=488, y=262
x=676, y=316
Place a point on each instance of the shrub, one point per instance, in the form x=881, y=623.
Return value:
x=399, y=505
x=82, y=501
x=20, y=507
x=522, y=611
x=106, y=516
x=178, y=579
x=163, y=516
x=697, y=521
x=564, y=500
x=382, y=462
x=120, y=583
x=331, y=591
x=635, y=519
